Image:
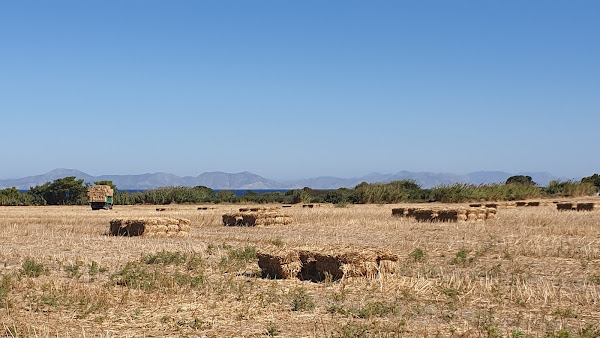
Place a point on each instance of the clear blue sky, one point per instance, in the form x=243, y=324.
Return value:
x=294, y=89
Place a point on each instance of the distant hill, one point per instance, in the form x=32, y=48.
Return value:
x=425, y=179
x=247, y=180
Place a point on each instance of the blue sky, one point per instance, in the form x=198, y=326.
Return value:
x=294, y=89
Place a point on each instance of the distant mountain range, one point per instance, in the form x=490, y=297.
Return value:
x=246, y=180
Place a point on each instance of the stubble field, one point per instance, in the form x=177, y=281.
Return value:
x=533, y=271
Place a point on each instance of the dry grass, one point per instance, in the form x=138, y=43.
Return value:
x=530, y=271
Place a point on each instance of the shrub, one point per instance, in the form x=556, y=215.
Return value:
x=301, y=300
x=32, y=269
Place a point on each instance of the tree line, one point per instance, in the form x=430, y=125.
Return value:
x=71, y=191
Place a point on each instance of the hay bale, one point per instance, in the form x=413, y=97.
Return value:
x=399, y=212
x=533, y=204
x=149, y=227
x=564, y=206
x=462, y=215
x=283, y=264
x=230, y=220
x=585, y=206
x=448, y=216
x=472, y=215
x=319, y=266
x=424, y=215
x=252, y=219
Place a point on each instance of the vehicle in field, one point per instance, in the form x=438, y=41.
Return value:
x=100, y=197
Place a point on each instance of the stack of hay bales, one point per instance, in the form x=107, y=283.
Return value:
x=98, y=193
x=280, y=264
x=256, y=218
x=564, y=206
x=568, y=206
x=318, y=266
x=585, y=206
x=168, y=227
x=446, y=214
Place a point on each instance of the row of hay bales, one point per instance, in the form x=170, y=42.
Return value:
x=446, y=214
x=167, y=227
x=568, y=206
x=527, y=204
x=318, y=266
x=256, y=218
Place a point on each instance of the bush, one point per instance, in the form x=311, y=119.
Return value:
x=301, y=300
x=32, y=269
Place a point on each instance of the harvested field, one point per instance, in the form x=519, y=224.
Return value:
x=529, y=272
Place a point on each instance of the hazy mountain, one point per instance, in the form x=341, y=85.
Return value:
x=215, y=180
x=425, y=179
x=246, y=180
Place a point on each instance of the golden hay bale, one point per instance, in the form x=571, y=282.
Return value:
x=410, y=212
x=424, y=215
x=133, y=227
x=279, y=263
x=472, y=215
x=147, y=227
x=585, y=206
x=398, y=212
x=564, y=206
x=229, y=220
x=309, y=266
x=448, y=216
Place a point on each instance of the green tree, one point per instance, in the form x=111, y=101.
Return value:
x=66, y=190
x=109, y=183
x=520, y=179
x=226, y=196
x=594, y=179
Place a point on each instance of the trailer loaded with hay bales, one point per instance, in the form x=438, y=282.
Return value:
x=446, y=214
x=100, y=197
